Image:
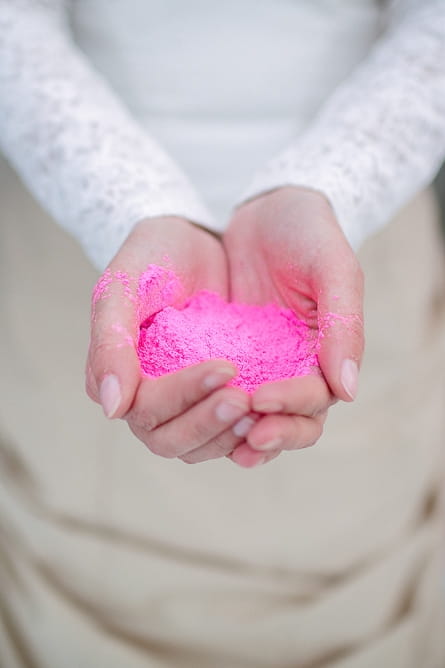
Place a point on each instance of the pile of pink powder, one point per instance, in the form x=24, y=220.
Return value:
x=265, y=343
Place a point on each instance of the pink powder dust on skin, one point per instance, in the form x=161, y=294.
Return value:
x=157, y=287
x=349, y=322
x=101, y=289
x=266, y=343
x=123, y=278
x=127, y=339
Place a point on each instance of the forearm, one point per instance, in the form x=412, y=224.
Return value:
x=73, y=142
x=381, y=136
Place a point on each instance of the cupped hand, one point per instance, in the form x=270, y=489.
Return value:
x=187, y=414
x=287, y=247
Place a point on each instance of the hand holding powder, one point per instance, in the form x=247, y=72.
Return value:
x=266, y=343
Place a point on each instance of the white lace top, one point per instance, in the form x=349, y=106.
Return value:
x=102, y=100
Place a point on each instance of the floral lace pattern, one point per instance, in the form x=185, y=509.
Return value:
x=75, y=145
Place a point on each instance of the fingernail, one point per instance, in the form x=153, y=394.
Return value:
x=110, y=395
x=349, y=377
x=243, y=427
x=229, y=412
x=268, y=407
x=218, y=377
x=262, y=460
x=269, y=445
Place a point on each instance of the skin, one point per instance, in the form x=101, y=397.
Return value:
x=188, y=414
x=296, y=256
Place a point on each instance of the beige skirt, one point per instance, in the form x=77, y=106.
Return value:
x=111, y=557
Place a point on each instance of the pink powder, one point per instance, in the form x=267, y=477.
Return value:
x=157, y=286
x=265, y=343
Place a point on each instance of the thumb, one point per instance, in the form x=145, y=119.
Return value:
x=113, y=370
x=340, y=323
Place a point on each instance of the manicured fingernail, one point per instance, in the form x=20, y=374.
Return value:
x=229, y=412
x=218, y=377
x=349, y=377
x=262, y=460
x=243, y=427
x=249, y=464
x=268, y=406
x=269, y=445
x=110, y=395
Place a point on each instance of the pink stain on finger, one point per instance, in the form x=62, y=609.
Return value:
x=126, y=338
x=126, y=282
x=157, y=286
x=349, y=321
x=101, y=289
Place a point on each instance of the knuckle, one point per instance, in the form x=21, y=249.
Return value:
x=231, y=394
x=314, y=438
x=156, y=445
x=101, y=351
x=306, y=431
x=200, y=433
x=160, y=447
x=314, y=410
x=183, y=402
x=148, y=421
x=189, y=459
x=221, y=447
x=320, y=419
x=194, y=457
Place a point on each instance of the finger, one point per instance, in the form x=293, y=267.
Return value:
x=246, y=457
x=340, y=324
x=279, y=432
x=90, y=383
x=113, y=370
x=304, y=395
x=159, y=400
x=224, y=444
x=204, y=422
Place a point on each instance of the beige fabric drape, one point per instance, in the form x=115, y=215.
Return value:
x=111, y=557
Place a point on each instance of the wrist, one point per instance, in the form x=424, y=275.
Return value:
x=167, y=222
x=289, y=193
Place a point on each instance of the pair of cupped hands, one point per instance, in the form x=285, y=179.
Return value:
x=285, y=247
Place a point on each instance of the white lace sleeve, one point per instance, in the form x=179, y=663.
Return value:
x=381, y=135
x=73, y=142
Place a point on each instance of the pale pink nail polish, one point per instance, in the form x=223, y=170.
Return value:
x=110, y=395
x=218, y=378
x=349, y=377
x=243, y=427
x=227, y=412
x=270, y=445
x=261, y=461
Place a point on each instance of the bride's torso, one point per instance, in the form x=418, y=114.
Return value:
x=224, y=85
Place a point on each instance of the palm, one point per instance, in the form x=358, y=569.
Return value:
x=280, y=260
x=193, y=256
x=287, y=247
